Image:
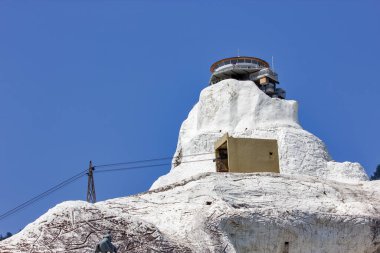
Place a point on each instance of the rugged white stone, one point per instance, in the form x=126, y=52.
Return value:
x=241, y=109
x=314, y=204
x=218, y=212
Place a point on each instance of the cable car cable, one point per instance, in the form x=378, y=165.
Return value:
x=149, y=160
x=82, y=173
x=146, y=166
x=42, y=195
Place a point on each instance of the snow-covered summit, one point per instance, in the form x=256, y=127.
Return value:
x=192, y=209
x=241, y=109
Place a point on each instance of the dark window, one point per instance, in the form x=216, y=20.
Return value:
x=286, y=247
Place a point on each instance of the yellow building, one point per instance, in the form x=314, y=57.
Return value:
x=246, y=155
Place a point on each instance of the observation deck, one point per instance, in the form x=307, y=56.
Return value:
x=247, y=68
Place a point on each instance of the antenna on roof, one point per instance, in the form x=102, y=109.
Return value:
x=238, y=52
x=272, y=63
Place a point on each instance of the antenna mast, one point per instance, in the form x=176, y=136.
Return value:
x=91, y=196
x=272, y=63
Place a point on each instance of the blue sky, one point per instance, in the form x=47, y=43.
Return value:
x=112, y=81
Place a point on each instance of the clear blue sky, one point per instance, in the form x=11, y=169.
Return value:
x=112, y=81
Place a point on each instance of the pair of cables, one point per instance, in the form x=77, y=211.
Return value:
x=43, y=195
x=111, y=167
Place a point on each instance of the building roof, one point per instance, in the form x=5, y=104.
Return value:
x=214, y=66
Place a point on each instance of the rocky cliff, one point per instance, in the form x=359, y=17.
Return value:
x=313, y=205
x=241, y=109
x=218, y=212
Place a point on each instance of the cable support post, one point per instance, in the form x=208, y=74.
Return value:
x=91, y=195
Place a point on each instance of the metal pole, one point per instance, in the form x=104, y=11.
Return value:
x=91, y=195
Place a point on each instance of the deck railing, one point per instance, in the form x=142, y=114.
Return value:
x=266, y=72
x=238, y=65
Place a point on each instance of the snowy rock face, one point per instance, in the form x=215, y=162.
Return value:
x=241, y=109
x=314, y=204
x=218, y=212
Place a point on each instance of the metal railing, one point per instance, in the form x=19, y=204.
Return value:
x=237, y=66
x=265, y=72
x=239, y=63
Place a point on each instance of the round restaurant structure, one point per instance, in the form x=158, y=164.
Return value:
x=247, y=68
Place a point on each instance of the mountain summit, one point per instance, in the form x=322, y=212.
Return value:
x=313, y=205
x=241, y=109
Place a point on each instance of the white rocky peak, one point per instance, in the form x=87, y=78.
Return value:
x=241, y=109
x=305, y=208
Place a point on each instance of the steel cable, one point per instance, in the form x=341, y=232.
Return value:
x=148, y=160
x=100, y=170
x=42, y=195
